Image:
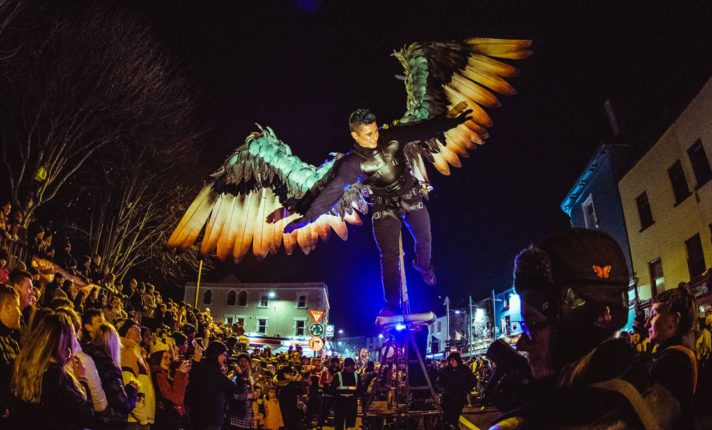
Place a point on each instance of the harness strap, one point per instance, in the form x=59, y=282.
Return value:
x=627, y=390
x=693, y=361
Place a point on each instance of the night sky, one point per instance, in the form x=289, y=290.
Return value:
x=301, y=67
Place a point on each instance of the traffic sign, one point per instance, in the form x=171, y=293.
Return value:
x=329, y=332
x=316, y=330
x=316, y=315
x=316, y=343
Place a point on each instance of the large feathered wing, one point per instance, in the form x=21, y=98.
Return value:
x=258, y=190
x=448, y=77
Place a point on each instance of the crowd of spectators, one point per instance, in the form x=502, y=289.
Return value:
x=80, y=350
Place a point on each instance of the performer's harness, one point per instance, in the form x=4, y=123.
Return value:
x=390, y=200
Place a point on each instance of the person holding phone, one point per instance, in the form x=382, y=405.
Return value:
x=171, y=386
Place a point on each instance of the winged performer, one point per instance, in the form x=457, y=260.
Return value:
x=264, y=197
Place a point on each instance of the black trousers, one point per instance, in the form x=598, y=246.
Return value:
x=387, y=231
x=345, y=409
x=452, y=409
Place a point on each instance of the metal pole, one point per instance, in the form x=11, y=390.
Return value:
x=197, y=284
x=494, y=316
x=469, y=328
x=447, y=307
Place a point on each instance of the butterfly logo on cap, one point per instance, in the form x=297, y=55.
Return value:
x=602, y=272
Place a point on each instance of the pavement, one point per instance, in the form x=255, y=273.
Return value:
x=472, y=418
x=477, y=417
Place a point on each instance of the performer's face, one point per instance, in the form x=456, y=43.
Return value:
x=366, y=135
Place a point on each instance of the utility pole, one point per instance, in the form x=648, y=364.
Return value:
x=494, y=316
x=197, y=284
x=447, y=310
x=469, y=327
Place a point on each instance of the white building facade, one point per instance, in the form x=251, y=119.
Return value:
x=275, y=310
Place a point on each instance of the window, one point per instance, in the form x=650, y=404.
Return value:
x=262, y=325
x=700, y=163
x=302, y=301
x=207, y=297
x=242, y=298
x=695, y=257
x=299, y=327
x=241, y=321
x=440, y=326
x=657, y=280
x=264, y=302
x=679, y=182
x=589, y=213
x=229, y=320
x=231, y=298
x=644, y=212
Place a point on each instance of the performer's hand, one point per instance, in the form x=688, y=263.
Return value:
x=296, y=224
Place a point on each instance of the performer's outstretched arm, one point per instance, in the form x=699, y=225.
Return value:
x=424, y=130
x=349, y=172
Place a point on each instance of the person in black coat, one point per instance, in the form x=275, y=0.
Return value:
x=46, y=394
x=457, y=380
x=288, y=392
x=105, y=349
x=347, y=387
x=208, y=387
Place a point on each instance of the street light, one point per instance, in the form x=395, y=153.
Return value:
x=341, y=331
x=271, y=294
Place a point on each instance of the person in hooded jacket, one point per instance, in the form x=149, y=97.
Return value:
x=457, y=380
x=209, y=387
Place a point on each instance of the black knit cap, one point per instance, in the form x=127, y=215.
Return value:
x=576, y=277
x=124, y=326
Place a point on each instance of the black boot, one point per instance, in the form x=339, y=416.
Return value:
x=428, y=274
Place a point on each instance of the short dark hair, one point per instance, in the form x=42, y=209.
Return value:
x=89, y=314
x=361, y=116
x=16, y=276
x=179, y=338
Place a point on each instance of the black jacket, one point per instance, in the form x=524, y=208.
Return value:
x=121, y=398
x=62, y=406
x=350, y=167
x=207, y=393
x=456, y=382
x=672, y=369
x=9, y=348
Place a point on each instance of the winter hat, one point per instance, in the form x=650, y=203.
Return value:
x=455, y=356
x=123, y=326
x=579, y=279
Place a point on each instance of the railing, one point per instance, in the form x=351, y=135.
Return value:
x=16, y=250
